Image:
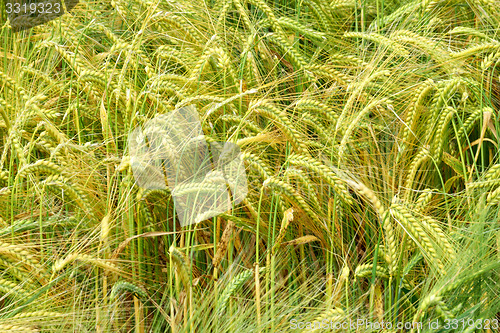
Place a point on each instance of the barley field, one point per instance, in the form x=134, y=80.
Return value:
x=368, y=131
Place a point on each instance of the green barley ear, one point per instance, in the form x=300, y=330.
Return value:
x=424, y=237
x=490, y=178
x=319, y=13
x=357, y=91
x=303, y=181
x=281, y=120
x=292, y=194
x=315, y=124
x=21, y=254
x=69, y=189
x=383, y=41
x=41, y=166
x=40, y=315
x=124, y=286
x=329, y=73
x=440, y=55
x=182, y=265
x=440, y=138
x=390, y=241
x=262, y=168
x=324, y=172
x=332, y=315
x=322, y=109
x=423, y=199
x=262, y=5
x=12, y=290
x=407, y=135
x=292, y=24
x=86, y=259
x=420, y=158
x=17, y=329
x=471, y=121
x=366, y=270
x=4, y=177
x=233, y=285
x=355, y=123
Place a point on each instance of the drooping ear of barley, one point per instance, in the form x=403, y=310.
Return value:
x=418, y=161
x=411, y=117
x=17, y=328
x=282, y=122
x=20, y=254
x=287, y=218
x=420, y=235
x=72, y=191
x=438, y=54
x=381, y=40
x=232, y=286
x=471, y=120
x=182, y=265
x=440, y=138
x=390, y=241
x=395, y=93
x=122, y=286
x=304, y=183
x=333, y=316
x=439, y=105
x=324, y=172
x=368, y=108
x=292, y=194
x=366, y=270
x=41, y=166
x=323, y=109
x=423, y=199
x=87, y=259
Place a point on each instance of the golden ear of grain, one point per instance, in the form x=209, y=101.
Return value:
x=106, y=129
x=301, y=240
x=17, y=329
x=38, y=315
x=364, y=191
x=222, y=246
x=287, y=218
x=87, y=259
x=103, y=236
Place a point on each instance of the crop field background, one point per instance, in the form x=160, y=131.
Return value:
x=369, y=132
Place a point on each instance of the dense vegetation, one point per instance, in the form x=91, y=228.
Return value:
x=370, y=134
